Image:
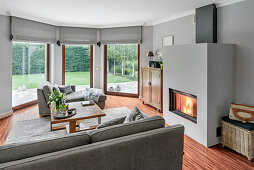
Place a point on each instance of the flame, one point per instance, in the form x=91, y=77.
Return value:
x=188, y=106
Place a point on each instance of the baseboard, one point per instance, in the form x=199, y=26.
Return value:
x=7, y=114
x=24, y=105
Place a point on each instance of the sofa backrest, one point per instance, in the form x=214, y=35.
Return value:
x=155, y=149
x=19, y=151
x=125, y=129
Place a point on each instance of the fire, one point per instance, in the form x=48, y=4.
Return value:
x=185, y=104
x=188, y=106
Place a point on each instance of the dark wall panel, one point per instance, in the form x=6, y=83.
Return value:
x=206, y=24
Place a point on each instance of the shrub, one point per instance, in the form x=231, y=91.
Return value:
x=119, y=70
x=128, y=71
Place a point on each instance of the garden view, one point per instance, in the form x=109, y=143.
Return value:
x=29, y=64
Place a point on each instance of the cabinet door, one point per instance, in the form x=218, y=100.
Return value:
x=145, y=85
x=156, y=88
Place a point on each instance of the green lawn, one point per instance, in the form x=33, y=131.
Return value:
x=77, y=78
x=31, y=81
x=73, y=78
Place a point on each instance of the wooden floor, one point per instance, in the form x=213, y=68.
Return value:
x=196, y=155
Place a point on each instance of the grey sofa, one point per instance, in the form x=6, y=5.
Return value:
x=144, y=145
x=46, y=88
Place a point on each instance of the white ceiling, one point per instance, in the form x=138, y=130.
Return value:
x=100, y=13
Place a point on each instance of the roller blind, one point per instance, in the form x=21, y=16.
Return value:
x=73, y=35
x=123, y=35
x=27, y=30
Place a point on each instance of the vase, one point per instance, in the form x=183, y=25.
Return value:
x=57, y=105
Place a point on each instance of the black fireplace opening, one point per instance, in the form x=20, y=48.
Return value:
x=183, y=104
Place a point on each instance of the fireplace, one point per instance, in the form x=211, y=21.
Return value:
x=183, y=104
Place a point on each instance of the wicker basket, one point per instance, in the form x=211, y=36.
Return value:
x=239, y=139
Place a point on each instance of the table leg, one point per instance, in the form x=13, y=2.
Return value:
x=72, y=126
x=99, y=120
x=78, y=123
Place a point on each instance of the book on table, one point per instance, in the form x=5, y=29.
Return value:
x=87, y=103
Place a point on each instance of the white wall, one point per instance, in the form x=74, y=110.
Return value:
x=55, y=64
x=188, y=74
x=204, y=70
x=235, y=26
x=5, y=66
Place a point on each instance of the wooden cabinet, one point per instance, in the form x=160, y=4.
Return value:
x=152, y=86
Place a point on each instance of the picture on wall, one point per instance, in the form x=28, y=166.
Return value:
x=168, y=40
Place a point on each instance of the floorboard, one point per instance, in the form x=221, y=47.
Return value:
x=196, y=156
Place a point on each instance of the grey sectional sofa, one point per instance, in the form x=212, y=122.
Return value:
x=140, y=145
x=46, y=88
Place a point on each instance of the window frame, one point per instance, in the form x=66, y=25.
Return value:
x=47, y=78
x=105, y=76
x=91, y=65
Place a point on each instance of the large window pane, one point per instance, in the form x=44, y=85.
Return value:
x=77, y=65
x=122, y=68
x=28, y=70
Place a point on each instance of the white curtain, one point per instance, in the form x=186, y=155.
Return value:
x=122, y=35
x=73, y=35
x=32, y=31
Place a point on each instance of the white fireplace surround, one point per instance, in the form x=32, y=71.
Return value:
x=204, y=70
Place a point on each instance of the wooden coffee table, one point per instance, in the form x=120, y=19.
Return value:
x=83, y=112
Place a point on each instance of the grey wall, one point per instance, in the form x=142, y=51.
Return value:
x=220, y=86
x=182, y=29
x=5, y=66
x=235, y=26
x=147, y=45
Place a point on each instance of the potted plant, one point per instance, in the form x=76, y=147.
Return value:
x=58, y=100
x=160, y=61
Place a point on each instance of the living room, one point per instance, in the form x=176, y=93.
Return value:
x=170, y=81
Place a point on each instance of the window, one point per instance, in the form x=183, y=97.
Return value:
x=28, y=70
x=122, y=69
x=78, y=65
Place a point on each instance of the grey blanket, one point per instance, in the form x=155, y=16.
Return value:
x=92, y=94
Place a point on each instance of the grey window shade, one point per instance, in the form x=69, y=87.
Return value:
x=27, y=30
x=124, y=35
x=73, y=35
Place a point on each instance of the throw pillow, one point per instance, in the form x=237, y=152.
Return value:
x=134, y=115
x=66, y=89
x=112, y=122
x=55, y=88
x=242, y=113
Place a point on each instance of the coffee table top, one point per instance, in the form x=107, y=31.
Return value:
x=83, y=112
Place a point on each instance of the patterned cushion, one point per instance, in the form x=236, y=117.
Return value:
x=66, y=89
x=242, y=113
